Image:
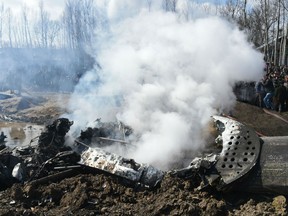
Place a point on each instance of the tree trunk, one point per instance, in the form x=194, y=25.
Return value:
x=276, y=46
x=266, y=50
x=284, y=52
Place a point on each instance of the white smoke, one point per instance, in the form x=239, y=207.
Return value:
x=170, y=75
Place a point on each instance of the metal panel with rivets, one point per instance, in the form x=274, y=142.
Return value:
x=241, y=149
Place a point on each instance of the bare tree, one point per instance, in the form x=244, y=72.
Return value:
x=269, y=21
x=169, y=5
x=9, y=26
x=255, y=27
x=283, y=57
x=276, y=43
x=2, y=14
x=53, y=33
x=44, y=21
x=230, y=9
x=261, y=22
x=149, y=4
x=17, y=35
x=26, y=28
x=80, y=22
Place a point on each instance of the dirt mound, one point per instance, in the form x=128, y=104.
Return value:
x=100, y=194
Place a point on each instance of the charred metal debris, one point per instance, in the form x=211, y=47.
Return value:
x=247, y=162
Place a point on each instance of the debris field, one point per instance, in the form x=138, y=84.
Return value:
x=53, y=178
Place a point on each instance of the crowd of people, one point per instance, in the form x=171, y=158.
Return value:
x=272, y=89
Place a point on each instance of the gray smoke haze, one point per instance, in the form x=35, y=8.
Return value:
x=39, y=69
x=164, y=77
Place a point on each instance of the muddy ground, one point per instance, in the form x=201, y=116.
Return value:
x=90, y=193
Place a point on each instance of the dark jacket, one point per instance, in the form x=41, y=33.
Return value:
x=280, y=94
x=268, y=85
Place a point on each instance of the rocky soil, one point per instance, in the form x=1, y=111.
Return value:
x=87, y=193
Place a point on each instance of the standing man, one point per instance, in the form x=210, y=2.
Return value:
x=280, y=97
x=260, y=93
x=269, y=89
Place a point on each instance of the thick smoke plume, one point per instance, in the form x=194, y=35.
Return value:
x=165, y=78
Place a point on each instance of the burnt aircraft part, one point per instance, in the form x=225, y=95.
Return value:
x=106, y=133
x=7, y=164
x=52, y=155
x=52, y=139
x=241, y=149
x=122, y=167
x=271, y=173
x=2, y=137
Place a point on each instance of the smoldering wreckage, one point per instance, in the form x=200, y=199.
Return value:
x=246, y=162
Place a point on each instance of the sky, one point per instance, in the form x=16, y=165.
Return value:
x=54, y=7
